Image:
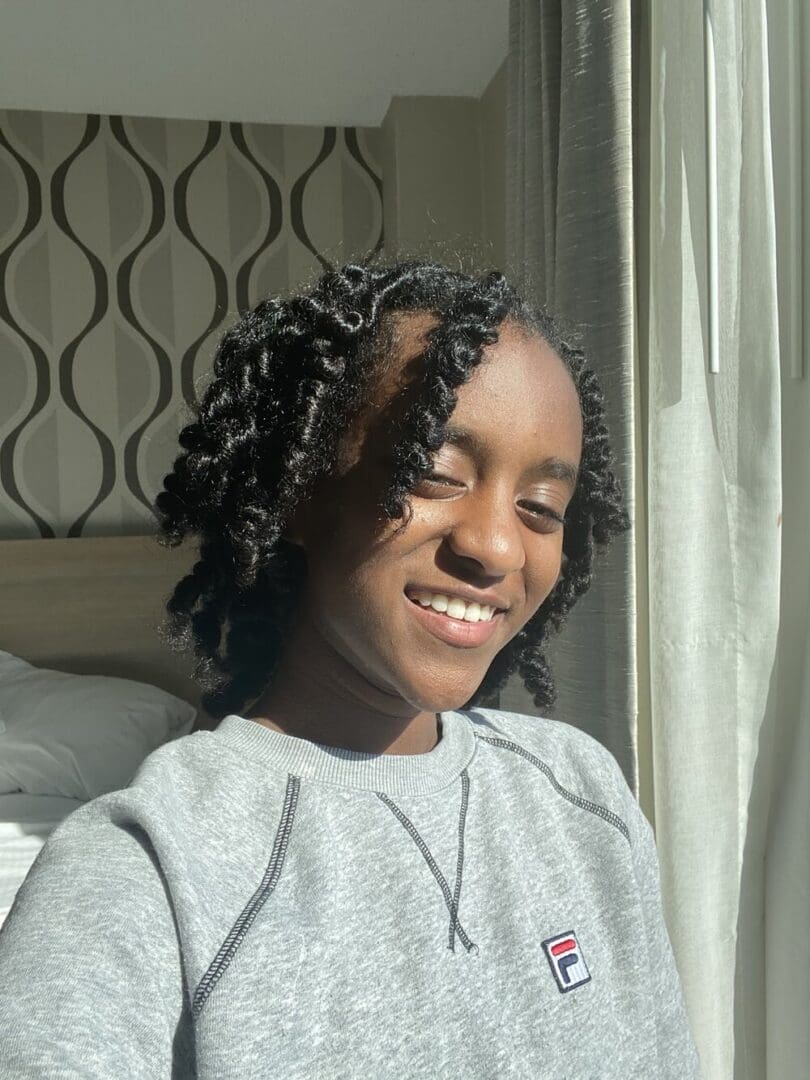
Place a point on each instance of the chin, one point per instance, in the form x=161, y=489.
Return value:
x=441, y=698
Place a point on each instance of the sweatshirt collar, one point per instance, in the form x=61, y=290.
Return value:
x=395, y=774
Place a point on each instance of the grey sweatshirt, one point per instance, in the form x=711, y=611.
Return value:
x=258, y=905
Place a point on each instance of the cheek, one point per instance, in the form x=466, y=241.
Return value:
x=542, y=571
x=353, y=573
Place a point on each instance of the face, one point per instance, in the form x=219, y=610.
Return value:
x=485, y=529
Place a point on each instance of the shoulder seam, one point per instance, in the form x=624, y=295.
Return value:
x=243, y=923
x=572, y=797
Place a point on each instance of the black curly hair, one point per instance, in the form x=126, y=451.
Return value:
x=288, y=379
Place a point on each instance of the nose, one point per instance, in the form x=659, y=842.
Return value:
x=487, y=532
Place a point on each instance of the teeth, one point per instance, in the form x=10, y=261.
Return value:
x=455, y=607
x=473, y=612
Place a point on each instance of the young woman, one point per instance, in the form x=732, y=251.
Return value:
x=398, y=479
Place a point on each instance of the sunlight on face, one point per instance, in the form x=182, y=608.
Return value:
x=486, y=527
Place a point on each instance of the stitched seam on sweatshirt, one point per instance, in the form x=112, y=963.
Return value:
x=462, y=818
x=456, y=927
x=227, y=950
x=577, y=800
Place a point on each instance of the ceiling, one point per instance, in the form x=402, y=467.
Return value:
x=277, y=61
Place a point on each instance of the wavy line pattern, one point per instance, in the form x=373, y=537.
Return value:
x=123, y=285
x=275, y=218
x=40, y=376
x=134, y=243
x=218, y=276
x=297, y=194
x=99, y=307
x=353, y=146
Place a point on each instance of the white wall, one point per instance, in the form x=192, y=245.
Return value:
x=444, y=169
x=266, y=61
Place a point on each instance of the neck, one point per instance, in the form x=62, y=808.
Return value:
x=317, y=694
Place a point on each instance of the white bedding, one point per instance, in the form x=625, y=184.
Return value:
x=26, y=821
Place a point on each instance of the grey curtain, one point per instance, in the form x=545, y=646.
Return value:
x=570, y=242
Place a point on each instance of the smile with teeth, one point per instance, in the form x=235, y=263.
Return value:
x=454, y=606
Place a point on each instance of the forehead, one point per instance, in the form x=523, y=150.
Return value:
x=521, y=384
x=520, y=399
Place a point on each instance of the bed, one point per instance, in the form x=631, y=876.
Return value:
x=88, y=607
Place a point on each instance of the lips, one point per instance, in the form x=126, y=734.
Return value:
x=463, y=635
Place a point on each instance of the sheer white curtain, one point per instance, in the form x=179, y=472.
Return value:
x=714, y=501
x=712, y=640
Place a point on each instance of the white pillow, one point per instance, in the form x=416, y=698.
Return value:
x=79, y=736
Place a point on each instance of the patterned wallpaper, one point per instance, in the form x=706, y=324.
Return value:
x=126, y=246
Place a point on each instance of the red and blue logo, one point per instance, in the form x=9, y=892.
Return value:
x=566, y=960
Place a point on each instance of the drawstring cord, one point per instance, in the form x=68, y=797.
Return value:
x=452, y=902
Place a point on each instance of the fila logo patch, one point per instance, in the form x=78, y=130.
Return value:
x=567, y=962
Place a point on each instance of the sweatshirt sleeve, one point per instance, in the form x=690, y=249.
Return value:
x=677, y=1054
x=91, y=981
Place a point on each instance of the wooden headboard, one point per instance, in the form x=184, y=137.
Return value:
x=92, y=605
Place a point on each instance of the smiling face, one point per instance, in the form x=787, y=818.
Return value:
x=486, y=528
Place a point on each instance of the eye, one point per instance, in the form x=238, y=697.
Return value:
x=540, y=512
x=439, y=480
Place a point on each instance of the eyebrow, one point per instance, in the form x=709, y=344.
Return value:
x=552, y=468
